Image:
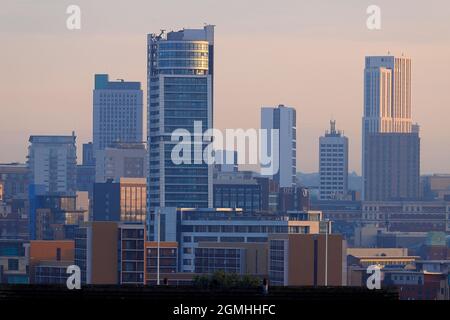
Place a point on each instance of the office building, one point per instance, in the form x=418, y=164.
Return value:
x=388, y=133
x=307, y=260
x=392, y=167
x=283, y=119
x=117, y=110
x=387, y=94
x=52, y=162
x=237, y=189
x=180, y=92
x=121, y=160
x=238, y=257
x=333, y=164
x=110, y=252
x=120, y=201
x=188, y=227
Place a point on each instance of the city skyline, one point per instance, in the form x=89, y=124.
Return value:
x=307, y=42
x=267, y=151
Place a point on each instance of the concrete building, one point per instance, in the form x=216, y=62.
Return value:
x=387, y=94
x=392, y=167
x=307, y=260
x=120, y=201
x=180, y=72
x=52, y=162
x=121, y=160
x=283, y=118
x=333, y=164
x=118, y=113
x=110, y=252
x=189, y=227
x=390, y=143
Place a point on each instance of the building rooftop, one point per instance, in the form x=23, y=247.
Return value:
x=102, y=83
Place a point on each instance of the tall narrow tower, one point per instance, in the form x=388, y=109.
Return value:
x=180, y=73
x=391, y=144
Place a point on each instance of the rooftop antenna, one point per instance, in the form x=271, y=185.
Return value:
x=121, y=80
x=389, y=52
x=161, y=33
x=333, y=126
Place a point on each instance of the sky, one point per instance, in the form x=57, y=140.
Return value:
x=304, y=54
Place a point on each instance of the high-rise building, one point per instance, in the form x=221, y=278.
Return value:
x=118, y=111
x=387, y=94
x=333, y=164
x=52, y=161
x=283, y=119
x=392, y=167
x=391, y=145
x=180, y=92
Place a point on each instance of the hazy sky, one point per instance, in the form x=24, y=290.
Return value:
x=305, y=54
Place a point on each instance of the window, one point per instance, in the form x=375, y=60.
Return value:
x=13, y=264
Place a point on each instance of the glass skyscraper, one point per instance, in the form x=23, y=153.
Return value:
x=180, y=91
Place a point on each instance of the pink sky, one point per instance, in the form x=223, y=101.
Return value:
x=305, y=54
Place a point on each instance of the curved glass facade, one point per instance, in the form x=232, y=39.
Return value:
x=180, y=92
x=191, y=56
